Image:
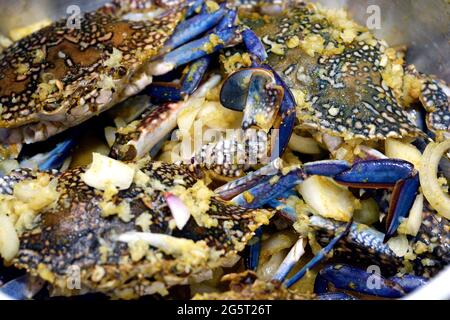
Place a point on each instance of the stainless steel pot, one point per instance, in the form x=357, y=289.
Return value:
x=422, y=25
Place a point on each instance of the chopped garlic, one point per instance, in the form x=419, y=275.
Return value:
x=114, y=59
x=197, y=199
x=122, y=210
x=144, y=221
x=399, y=245
x=313, y=44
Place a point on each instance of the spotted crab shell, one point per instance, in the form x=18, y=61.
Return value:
x=74, y=233
x=59, y=77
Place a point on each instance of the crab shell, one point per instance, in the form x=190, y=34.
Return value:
x=345, y=94
x=74, y=233
x=246, y=286
x=59, y=77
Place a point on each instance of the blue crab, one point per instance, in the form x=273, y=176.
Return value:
x=114, y=254
x=57, y=77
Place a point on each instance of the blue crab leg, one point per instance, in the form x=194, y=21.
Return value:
x=335, y=296
x=402, y=200
x=177, y=91
x=193, y=27
x=346, y=277
x=321, y=255
x=327, y=168
x=227, y=21
x=290, y=261
x=154, y=125
x=195, y=50
x=53, y=159
x=236, y=187
x=254, y=251
x=409, y=282
x=192, y=75
x=270, y=189
x=285, y=211
x=386, y=173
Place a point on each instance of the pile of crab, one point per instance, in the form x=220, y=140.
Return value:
x=165, y=146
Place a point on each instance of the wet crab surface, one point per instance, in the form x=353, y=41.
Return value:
x=354, y=175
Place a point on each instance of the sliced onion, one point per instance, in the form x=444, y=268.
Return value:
x=369, y=212
x=6, y=166
x=110, y=135
x=405, y=151
x=415, y=216
x=9, y=240
x=327, y=198
x=304, y=145
x=431, y=188
x=267, y=270
x=179, y=210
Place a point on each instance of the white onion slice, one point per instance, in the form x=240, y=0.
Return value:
x=327, y=198
x=415, y=216
x=432, y=191
x=399, y=150
x=304, y=145
x=110, y=135
x=9, y=241
x=179, y=210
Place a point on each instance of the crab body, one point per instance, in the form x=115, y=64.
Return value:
x=76, y=233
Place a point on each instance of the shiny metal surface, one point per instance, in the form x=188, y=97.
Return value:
x=422, y=25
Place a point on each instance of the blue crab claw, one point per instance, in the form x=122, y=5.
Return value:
x=195, y=50
x=321, y=255
x=386, y=173
x=288, y=116
x=179, y=90
x=254, y=46
x=265, y=100
x=346, y=277
x=335, y=296
x=402, y=199
x=409, y=282
x=381, y=173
